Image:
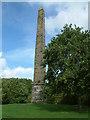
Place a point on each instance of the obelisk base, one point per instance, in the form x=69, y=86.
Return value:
x=36, y=93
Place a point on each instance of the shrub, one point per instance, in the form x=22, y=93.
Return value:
x=15, y=90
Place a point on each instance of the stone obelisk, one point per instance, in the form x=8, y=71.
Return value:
x=39, y=71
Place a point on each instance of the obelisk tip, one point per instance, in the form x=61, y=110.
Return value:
x=41, y=8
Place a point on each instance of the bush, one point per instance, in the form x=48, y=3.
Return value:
x=15, y=90
x=61, y=98
x=29, y=99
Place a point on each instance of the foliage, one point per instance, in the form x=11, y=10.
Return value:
x=29, y=99
x=68, y=60
x=0, y=91
x=15, y=90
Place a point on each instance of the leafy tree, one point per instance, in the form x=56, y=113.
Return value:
x=5, y=87
x=68, y=60
x=0, y=91
x=15, y=90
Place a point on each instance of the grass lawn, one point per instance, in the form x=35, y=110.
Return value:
x=0, y=111
x=42, y=111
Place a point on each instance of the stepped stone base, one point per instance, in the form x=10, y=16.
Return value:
x=36, y=93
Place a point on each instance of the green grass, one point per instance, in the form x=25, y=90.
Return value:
x=0, y=112
x=42, y=111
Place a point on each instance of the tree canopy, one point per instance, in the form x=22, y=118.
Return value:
x=16, y=90
x=68, y=60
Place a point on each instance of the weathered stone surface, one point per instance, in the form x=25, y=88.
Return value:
x=39, y=71
x=36, y=93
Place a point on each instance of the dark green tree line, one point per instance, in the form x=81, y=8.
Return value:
x=16, y=90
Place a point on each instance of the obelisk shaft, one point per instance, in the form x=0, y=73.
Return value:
x=39, y=71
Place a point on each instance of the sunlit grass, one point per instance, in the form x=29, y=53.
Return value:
x=42, y=111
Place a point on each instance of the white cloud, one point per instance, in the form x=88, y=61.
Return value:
x=0, y=54
x=20, y=72
x=75, y=13
x=49, y=3
x=2, y=61
x=44, y=0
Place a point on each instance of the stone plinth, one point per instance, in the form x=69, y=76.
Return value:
x=36, y=93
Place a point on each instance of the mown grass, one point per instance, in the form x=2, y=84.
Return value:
x=42, y=111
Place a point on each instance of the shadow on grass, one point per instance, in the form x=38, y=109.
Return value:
x=60, y=108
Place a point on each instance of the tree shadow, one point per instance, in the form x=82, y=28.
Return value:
x=58, y=108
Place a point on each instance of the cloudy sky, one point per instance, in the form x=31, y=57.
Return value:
x=19, y=25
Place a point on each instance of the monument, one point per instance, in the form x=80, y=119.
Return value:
x=39, y=71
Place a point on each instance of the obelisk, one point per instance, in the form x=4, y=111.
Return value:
x=39, y=71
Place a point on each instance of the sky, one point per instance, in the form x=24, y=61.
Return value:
x=19, y=27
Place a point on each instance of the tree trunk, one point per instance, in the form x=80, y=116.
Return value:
x=79, y=104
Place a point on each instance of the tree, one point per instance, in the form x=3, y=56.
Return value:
x=15, y=90
x=68, y=60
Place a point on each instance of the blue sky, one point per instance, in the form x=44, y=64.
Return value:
x=19, y=33
x=19, y=25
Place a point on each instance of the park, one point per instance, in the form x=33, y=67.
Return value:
x=62, y=91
